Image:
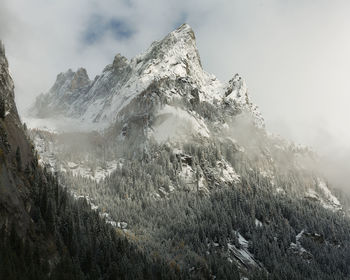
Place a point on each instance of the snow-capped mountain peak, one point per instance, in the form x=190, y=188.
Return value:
x=172, y=65
x=177, y=50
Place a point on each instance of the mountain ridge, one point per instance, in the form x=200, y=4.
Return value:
x=174, y=58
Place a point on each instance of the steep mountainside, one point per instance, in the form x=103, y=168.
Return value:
x=45, y=233
x=183, y=165
x=16, y=154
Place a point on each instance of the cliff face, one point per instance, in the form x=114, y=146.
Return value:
x=16, y=156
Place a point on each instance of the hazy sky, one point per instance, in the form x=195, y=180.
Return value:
x=294, y=55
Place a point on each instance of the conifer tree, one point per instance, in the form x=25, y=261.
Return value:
x=19, y=159
x=2, y=108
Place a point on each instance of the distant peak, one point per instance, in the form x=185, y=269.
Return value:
x=81, y=74
x=81, y=71
x=61, y=77
x=69, y=74
x=120, y=62
x=75, y=80
x=80, y=79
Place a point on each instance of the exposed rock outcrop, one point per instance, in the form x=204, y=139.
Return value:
x=16, y=155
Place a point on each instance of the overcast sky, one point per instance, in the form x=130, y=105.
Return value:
x=293, y=54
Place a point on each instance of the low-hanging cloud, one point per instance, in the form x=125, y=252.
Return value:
x=293, y=54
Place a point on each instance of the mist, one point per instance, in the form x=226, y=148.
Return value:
x=293, y=55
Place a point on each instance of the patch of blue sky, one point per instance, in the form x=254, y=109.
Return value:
x=98, y=27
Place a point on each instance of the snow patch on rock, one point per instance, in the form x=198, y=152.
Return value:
x=242, y=254
x=176, y=124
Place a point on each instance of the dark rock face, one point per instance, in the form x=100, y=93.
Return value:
x=66, y=89
x=80, y=79
x=120, y=63
x=6, y=83
x=14, y=188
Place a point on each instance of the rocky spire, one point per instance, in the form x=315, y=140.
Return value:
x=6, y=82
x=120, y=64
x=120, y=61
x=185, y=31
x=186, y=35
x=61, y=79
x=3, y=59
x=180, y=45
x=70, y=81
x=80, y=79
x=2, y=49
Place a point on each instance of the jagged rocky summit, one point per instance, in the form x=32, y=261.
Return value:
x=171, y=68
